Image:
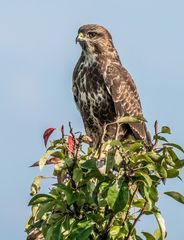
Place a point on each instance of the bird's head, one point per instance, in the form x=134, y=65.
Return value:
x=94, y=39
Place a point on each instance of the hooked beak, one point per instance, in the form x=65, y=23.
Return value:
x=79, y=38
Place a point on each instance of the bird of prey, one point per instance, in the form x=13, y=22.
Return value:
x=103, y=89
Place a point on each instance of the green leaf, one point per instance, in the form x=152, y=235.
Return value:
x=66, y=222
x=175, y=146
x=153, y=193
x=157, y=234
x=70, y=196
x=82, y=233
x=153, y=155
x=147, y=196
x=89, y=164
x=179, y=163
x=135, y=147
x=139, y=203
x=77, y=174
x=58, y=154
x=117, y=157
x=169, y=161
x=112, y=194
x=166, y=129
x=84, y=224
x=35, y=186
x=148, y=236
x=44, y=159
x=35, y=225
x=146, y=177
x=160, y=170
x=118, y=196
x=176, y=195
x=161, y=224
x=54, y=232
x=69, y=162
x=114, y=143
x=44, y=208
x=41, y=198
x=138, y=237
x=161, y=138
x=144, y=157
x=171, y=153
x=114, y=231
x=123, y=197
x=110, y=161
x=172, y=173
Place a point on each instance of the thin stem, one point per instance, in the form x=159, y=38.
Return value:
x=62, y=132
x=156, y=133
x=130, y=204
x=134, y=223
x=108, y=226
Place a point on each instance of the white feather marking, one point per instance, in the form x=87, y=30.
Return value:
x=90, y=59
x=83, y=96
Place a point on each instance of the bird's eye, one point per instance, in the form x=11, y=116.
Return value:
x=92, y=34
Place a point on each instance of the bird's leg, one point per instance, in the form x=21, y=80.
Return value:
x=103, y=132
x=117, y=131
x=100, y=143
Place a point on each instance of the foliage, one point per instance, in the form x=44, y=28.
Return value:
x=103, y=193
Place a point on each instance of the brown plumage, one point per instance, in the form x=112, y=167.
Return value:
x=103, y=89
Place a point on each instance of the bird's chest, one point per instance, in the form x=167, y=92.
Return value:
x=93, y=97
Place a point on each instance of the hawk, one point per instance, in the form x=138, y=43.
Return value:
x=103, y=89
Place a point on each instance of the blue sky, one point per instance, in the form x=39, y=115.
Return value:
x=38, y=54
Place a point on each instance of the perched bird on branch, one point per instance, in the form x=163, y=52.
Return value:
x=104, y=90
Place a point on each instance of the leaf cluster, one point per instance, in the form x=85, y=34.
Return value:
x=103, y=195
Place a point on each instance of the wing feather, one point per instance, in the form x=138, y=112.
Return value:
x=125, y=97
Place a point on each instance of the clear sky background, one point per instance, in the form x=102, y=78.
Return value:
x=37, y=57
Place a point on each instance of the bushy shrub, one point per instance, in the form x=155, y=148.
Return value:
x=103, y=193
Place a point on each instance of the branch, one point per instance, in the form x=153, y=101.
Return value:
x=156, y=133
x=130, y=204
x=135, y=221
x=62, y=132
x=108, y=226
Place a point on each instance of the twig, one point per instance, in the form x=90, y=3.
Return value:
x=70, y=169
x=125, y=165
x=75, y=143
x=135, y=221
x=130, y=204
x=62, y=132
x=71, y=132
x=78, y=146
x=108, y=226
x=59, y=178
x=156, y=133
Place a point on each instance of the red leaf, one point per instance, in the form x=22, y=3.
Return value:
x=53, y=160
x=71, y=145
x=47, y=134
